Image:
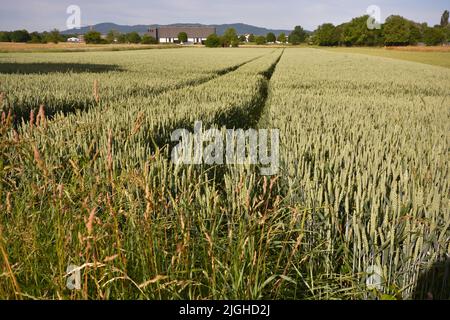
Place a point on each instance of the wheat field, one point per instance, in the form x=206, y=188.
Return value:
x=86, y=176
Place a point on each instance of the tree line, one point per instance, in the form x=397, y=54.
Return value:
x=91, y=37
x=114, y=36
x=34, y=37
x=396, y=31
x=231, y=39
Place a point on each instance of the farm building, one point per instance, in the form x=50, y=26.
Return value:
x=74, y=40
x=170, y=34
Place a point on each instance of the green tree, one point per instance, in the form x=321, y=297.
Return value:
x=251, y=38
x=45, y=35
x=93, y=37
x=54, y=36
x=242, y=38
x=282, y=37
x=112, y=36
x=434, y=36
x=183, y=37
x=20, y=36
x=357, y=33
x=260, y=40
x=133, y=37
x=230, y=37
x=271, y=37
x=444, y=19
x=122, y=38
x=36, y=37
x=297, y=36
x=147, y=39
x=326, y=35
x=415, y=33
x=340, y=32
x=235, y=43
x=213, y=41
x=397, y=31
x=5, y=36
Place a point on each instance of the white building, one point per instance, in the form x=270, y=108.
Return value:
x=170, y=34
x=74, y=40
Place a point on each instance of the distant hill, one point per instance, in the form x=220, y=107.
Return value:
x=241, y=28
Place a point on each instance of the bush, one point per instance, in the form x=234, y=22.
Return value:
x=133, y=37
x=113, y=36
x=260, y=40
x=271, y=37
x=230, y=38
x=35, y=38
x=213, y=41
x=5, y=36
x=122, y=38
x=54, y=36
x=183, y=37
x=434, y=36
x=20, y=36
x=93, y=37
x=235, y=43
x=146, y=39
x=282, y=38
x=326, y=35
x=297, y=36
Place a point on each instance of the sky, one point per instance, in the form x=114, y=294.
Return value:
x=282, y=14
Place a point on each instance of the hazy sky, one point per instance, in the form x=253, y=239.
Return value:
x=282, y=14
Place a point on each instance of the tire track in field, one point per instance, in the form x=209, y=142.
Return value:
x=238, y=118
x=266, y=90
x=197, y=82
x=23, y=115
